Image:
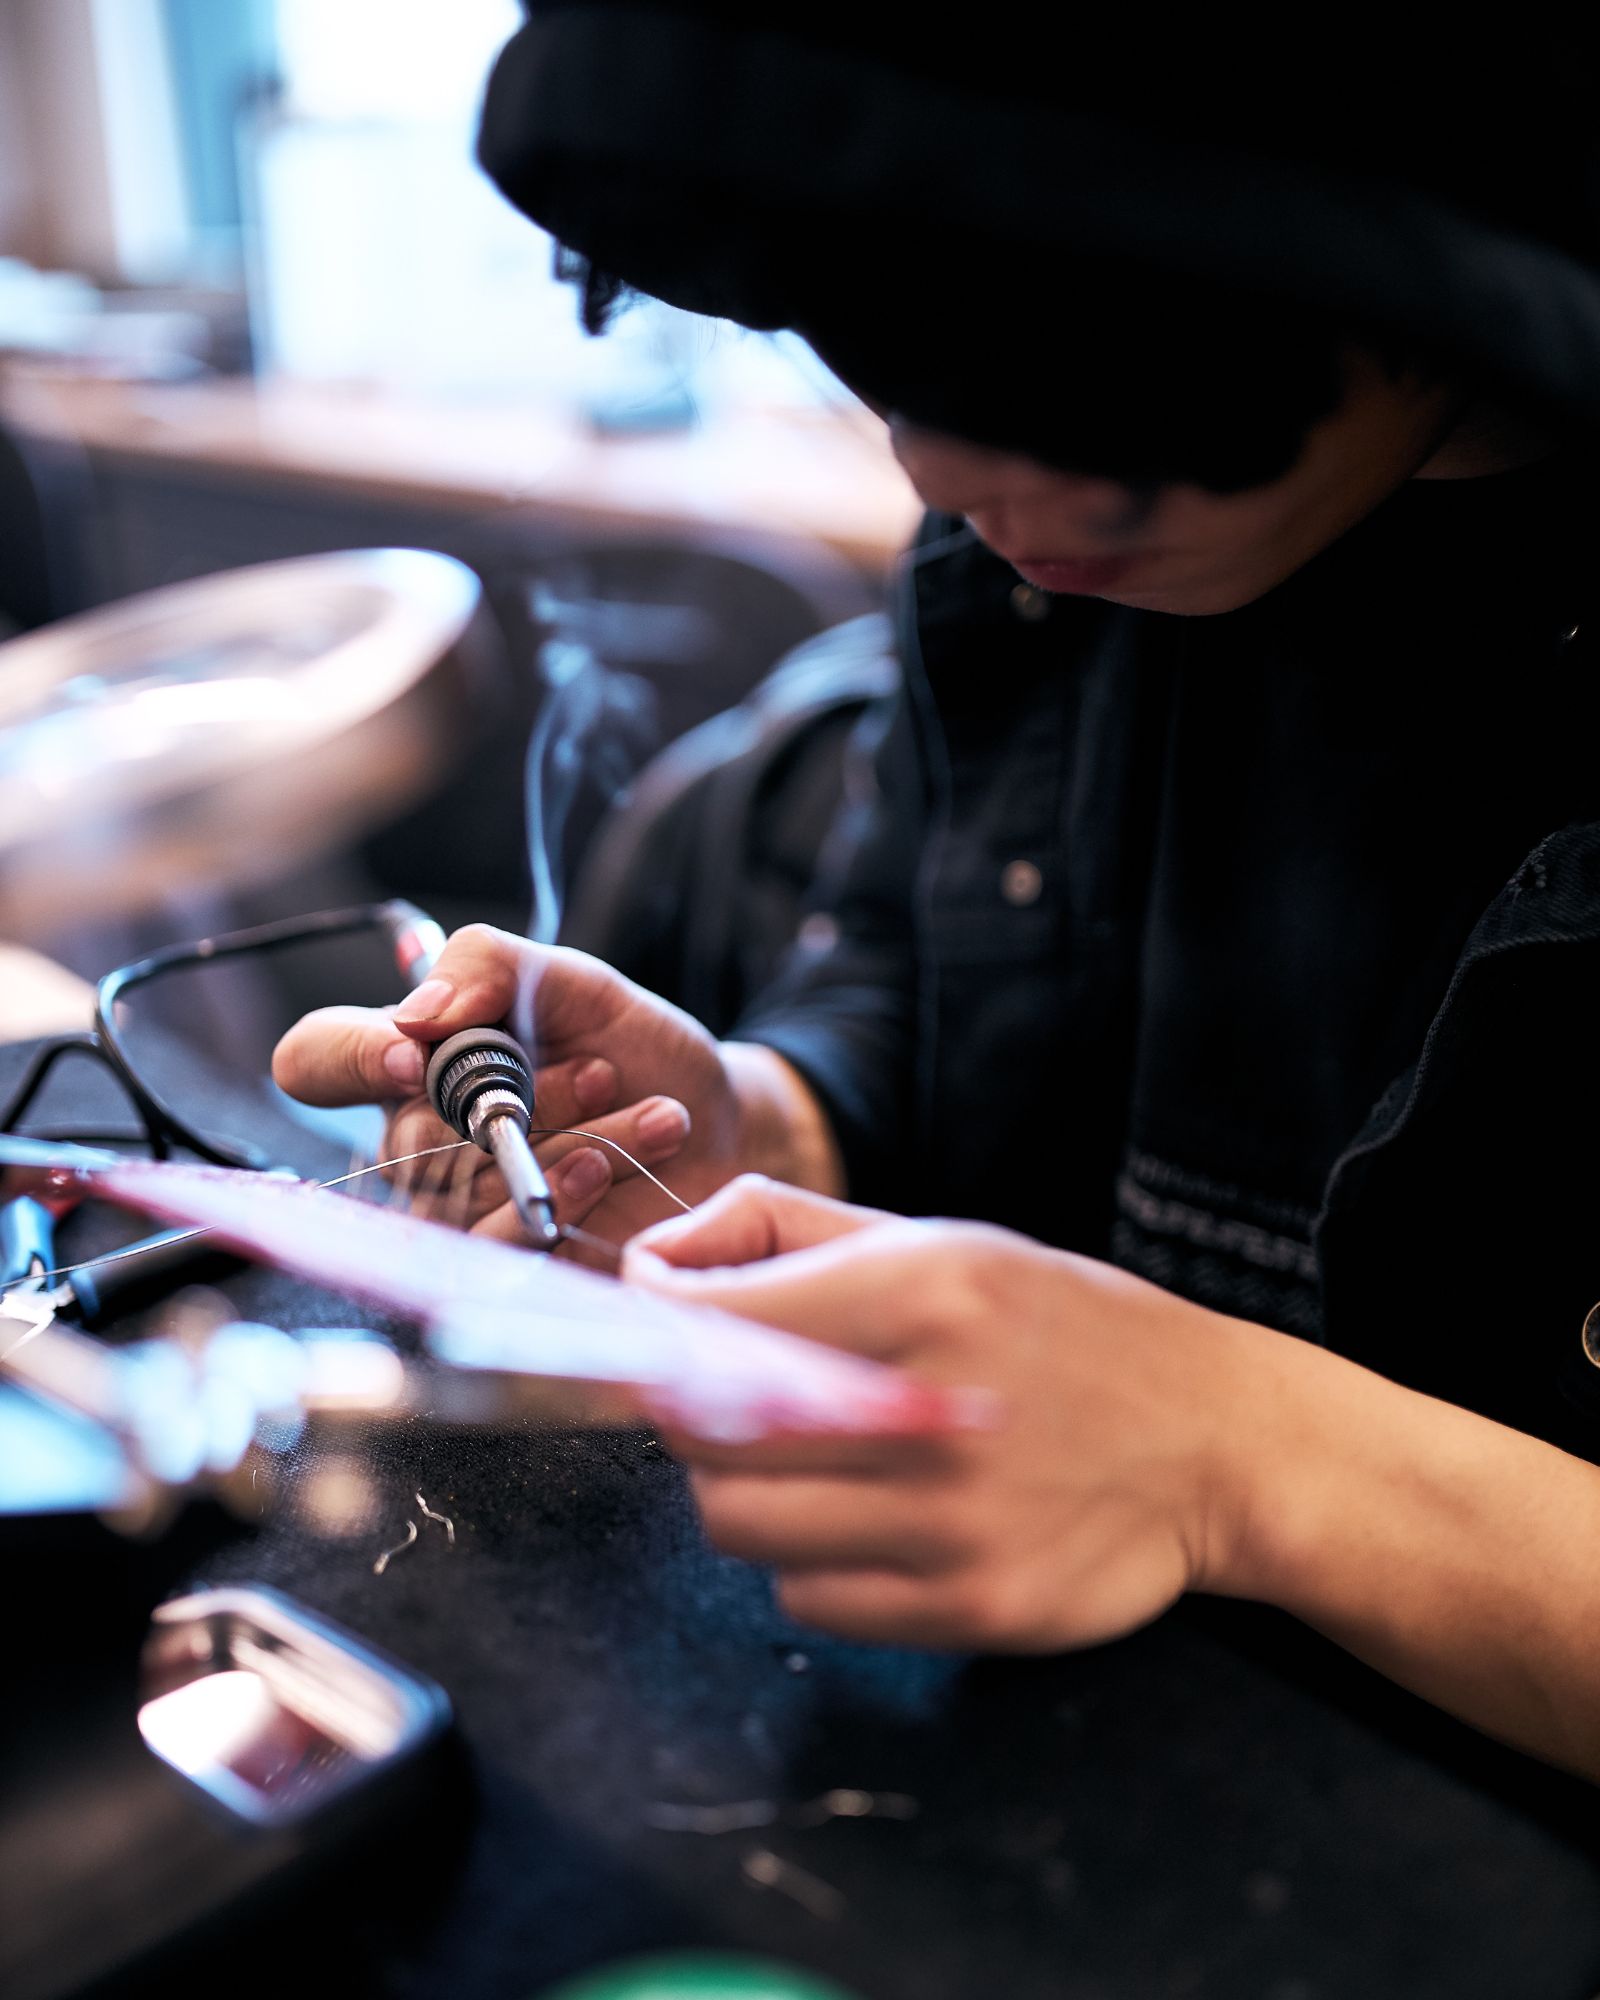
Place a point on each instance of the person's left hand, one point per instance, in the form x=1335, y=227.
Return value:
x=1108, y=1484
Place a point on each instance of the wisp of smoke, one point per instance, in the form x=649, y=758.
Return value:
x=595, y=728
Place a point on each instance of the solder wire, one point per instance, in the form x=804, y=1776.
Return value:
x=572, y=1132
x=569, y=1230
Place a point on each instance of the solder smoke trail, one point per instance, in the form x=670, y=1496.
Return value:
x=595, y=728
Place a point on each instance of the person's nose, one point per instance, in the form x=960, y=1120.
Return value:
x=1007, y=496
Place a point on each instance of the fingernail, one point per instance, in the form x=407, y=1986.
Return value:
x=580, y=1175
x=664, y=1124
x=430, y=999
x=405, y=1062
x=595, y=1085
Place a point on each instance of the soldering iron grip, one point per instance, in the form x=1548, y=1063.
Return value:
x=476, y=1060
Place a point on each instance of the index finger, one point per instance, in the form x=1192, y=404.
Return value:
x=547, y=995
x=748, y=1221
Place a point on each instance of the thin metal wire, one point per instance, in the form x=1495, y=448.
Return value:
x=400, y=1160
x=850, y=1802
x=763, y=1869
x=106, y=1257
x=600, y=1139
x=35, y=1278
x=444, y=1520
x=399, y=1548
x=570, y=1232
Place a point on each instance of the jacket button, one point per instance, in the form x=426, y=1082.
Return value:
x=818, y=933
x=1030, y=604
x=1021, y=884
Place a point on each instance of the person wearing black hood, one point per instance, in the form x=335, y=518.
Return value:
x=1225, y=948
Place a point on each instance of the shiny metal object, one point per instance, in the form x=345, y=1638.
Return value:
x=225, y=728
x=487, y=1110
x=272, y=1711
x=524, y=1178
x=481, y=1084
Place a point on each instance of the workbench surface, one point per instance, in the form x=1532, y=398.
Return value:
x=1219, y=1806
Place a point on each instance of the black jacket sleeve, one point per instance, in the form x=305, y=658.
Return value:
x=844, y=1006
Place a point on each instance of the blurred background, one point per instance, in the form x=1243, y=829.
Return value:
x=257, y=302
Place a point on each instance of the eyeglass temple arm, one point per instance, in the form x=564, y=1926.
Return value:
x=84, y=1042
x=416, y=940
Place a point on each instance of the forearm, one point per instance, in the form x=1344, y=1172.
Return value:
x=784, y=1132
x=1458, y=1557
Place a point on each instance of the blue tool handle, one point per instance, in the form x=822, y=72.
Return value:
x=106, y=1287
x=27, y=1239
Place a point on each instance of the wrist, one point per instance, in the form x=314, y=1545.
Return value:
x=783, y=1131
x=1283, y=1464
x=1333, y=1470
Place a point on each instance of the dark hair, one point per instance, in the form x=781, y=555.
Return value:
x=1149, y=268
x=599, y=294
x=1104, y=369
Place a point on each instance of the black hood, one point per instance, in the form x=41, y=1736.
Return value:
x=1081, y=250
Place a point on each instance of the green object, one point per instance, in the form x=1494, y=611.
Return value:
x=682, y=1975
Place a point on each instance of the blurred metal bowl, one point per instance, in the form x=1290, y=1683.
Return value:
x=224, y=730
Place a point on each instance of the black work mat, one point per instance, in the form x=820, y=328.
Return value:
x=1217, y=1807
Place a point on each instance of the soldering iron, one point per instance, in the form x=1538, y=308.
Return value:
x=481, y=1084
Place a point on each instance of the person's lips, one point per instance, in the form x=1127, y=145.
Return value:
x=1084, y=577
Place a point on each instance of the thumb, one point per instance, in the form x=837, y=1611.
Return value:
x=346, y=1055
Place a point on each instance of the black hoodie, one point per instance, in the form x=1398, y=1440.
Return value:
x=1259, y=952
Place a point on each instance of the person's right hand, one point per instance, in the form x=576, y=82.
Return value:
x=609, y=1058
